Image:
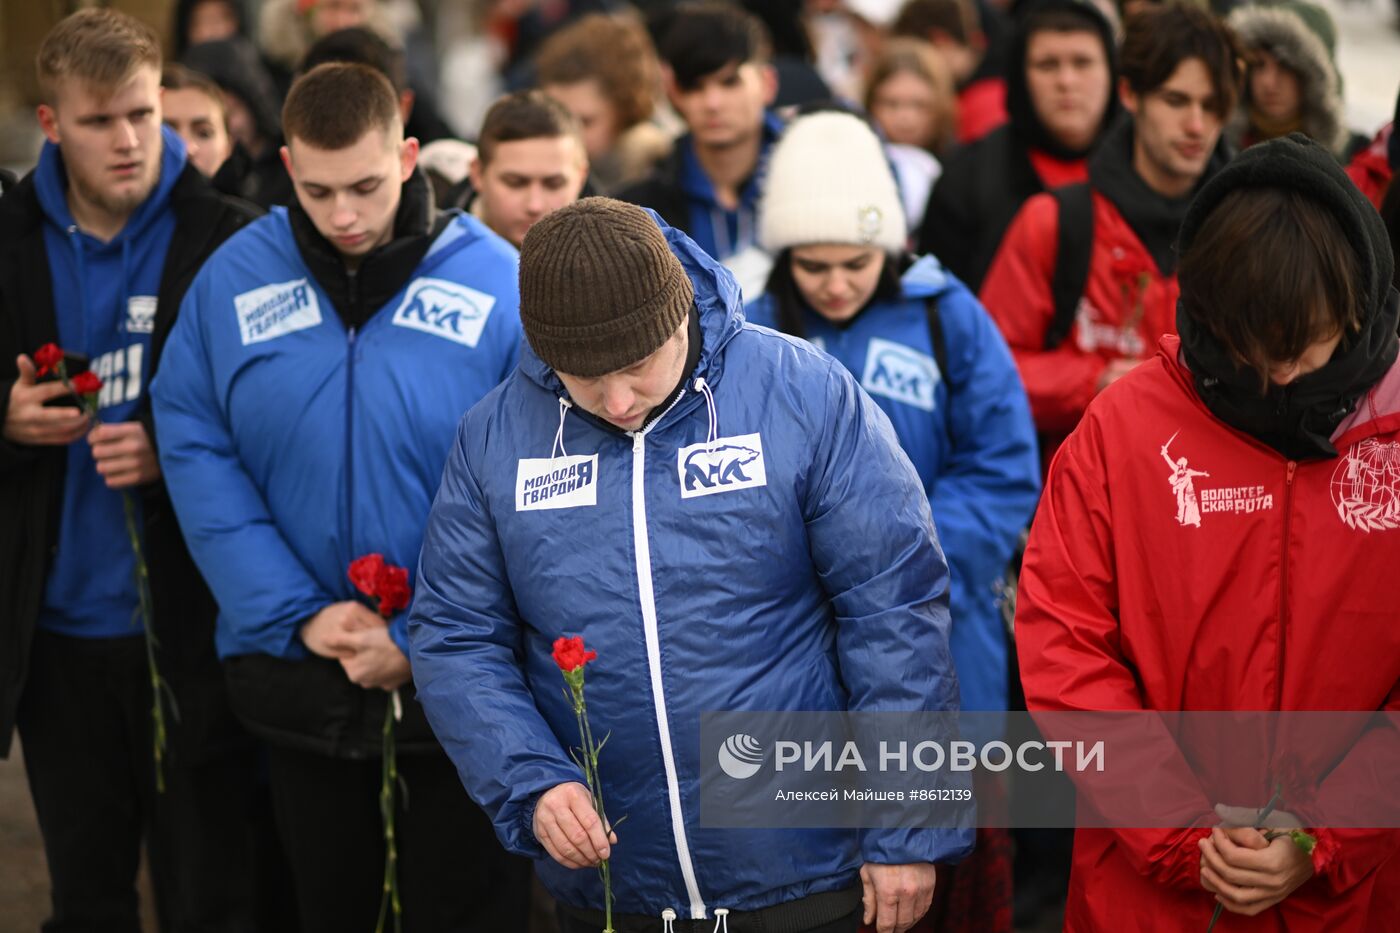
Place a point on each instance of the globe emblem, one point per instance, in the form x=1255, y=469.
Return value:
x=1366, y=486
x=741, y=756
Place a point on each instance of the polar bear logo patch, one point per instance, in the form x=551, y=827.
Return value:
x=723, y=465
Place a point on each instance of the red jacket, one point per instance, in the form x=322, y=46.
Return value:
x=1127, y=305
x=981, y=109
x=1215, y=576
x=1370, y=167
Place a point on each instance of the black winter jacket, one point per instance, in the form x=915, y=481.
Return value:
x=31, y=478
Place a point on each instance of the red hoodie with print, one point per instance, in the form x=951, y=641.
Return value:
x=1178, y=564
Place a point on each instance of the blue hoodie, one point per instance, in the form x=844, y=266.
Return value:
x=762, y=545
x=974, y=446
x=105, y=303
x=720, y=232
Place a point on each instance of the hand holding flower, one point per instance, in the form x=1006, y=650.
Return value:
x=1249, y=873
x=27, y=421
x=568, y=826
x=124, y=455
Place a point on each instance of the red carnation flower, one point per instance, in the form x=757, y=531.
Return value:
x=570, y=654
x=87, y=383
x=365, y=571
x=48, y=357
x=393, y=591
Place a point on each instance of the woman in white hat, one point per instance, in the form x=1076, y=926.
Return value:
x=926, y=351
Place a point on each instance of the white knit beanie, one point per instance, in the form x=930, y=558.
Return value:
x=829, y=182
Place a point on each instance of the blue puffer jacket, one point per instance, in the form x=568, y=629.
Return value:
x=970, y=435
x=809, y=578
x=292, y=445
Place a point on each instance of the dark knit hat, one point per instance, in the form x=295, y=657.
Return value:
x=599, y=287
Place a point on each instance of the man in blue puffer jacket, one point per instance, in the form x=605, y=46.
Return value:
x=727, y=518
x=320, y=363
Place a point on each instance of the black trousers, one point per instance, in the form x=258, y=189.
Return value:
x=85, y=723
x=454, y=877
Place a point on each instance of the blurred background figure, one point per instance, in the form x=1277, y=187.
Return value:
x=1292, y=85
x=363, y=46
x=193, y=106
x=530, y=160
x=604, y=70
x=911, y=99
x=1061, y=103
x=953, y=29
x=199, y=21
x=253, y=171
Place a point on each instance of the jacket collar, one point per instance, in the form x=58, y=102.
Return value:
x=357, y=295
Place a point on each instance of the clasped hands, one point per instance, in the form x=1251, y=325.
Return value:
x=358, y=637
x=1246, y=871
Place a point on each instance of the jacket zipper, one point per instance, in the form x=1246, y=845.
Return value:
x=647, y=597
x=1283, y=582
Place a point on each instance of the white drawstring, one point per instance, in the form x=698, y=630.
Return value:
x=703, y=388
x=668, y=921
x=721, y=919
x=558, y=449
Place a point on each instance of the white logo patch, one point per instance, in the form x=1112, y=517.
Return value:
x=141, y=314
x=1192, y=504
x=445, y=309
x=728, y=464
x=895, y=371
x=277, y=310
x=1366, y=486
x=556, y=483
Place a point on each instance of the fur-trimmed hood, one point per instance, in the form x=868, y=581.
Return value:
x=1302, y=40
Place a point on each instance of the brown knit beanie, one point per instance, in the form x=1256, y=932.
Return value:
x=599, y=288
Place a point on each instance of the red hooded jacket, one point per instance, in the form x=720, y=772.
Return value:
x=1127, y=305
x=1178, y=564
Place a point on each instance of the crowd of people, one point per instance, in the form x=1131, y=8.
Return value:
x=784, y=352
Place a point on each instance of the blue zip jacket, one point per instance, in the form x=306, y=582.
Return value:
x=104, y=298
x=790, y=565
x=291, y=446
x=974, y=447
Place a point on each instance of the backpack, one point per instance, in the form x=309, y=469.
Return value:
x=1074, y=244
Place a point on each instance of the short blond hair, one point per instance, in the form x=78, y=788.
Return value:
x=99, y=47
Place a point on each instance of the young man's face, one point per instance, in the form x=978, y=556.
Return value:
x=352, y=194
x=725, y=108
x=1069, y=83
x=526, y=179
x=199, y=119
x=625, y=398
x=1175, y=128
x=1273, y=88
x=837, y=280
x=596, y=115
x=110, y=141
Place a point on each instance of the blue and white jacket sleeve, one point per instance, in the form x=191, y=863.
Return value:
x=988, y=487
x=263, y=590
x=466, y=639
x=875, y=549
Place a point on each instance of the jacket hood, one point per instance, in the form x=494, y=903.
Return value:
x=925, y=278
x=1303, y=39
x=1023, y=119
x=717, y=299
x=51, y=187
x=234, y=65
x=1298, y=420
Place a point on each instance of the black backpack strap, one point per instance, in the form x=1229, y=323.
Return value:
x=1073, y=246
x=940, y=354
